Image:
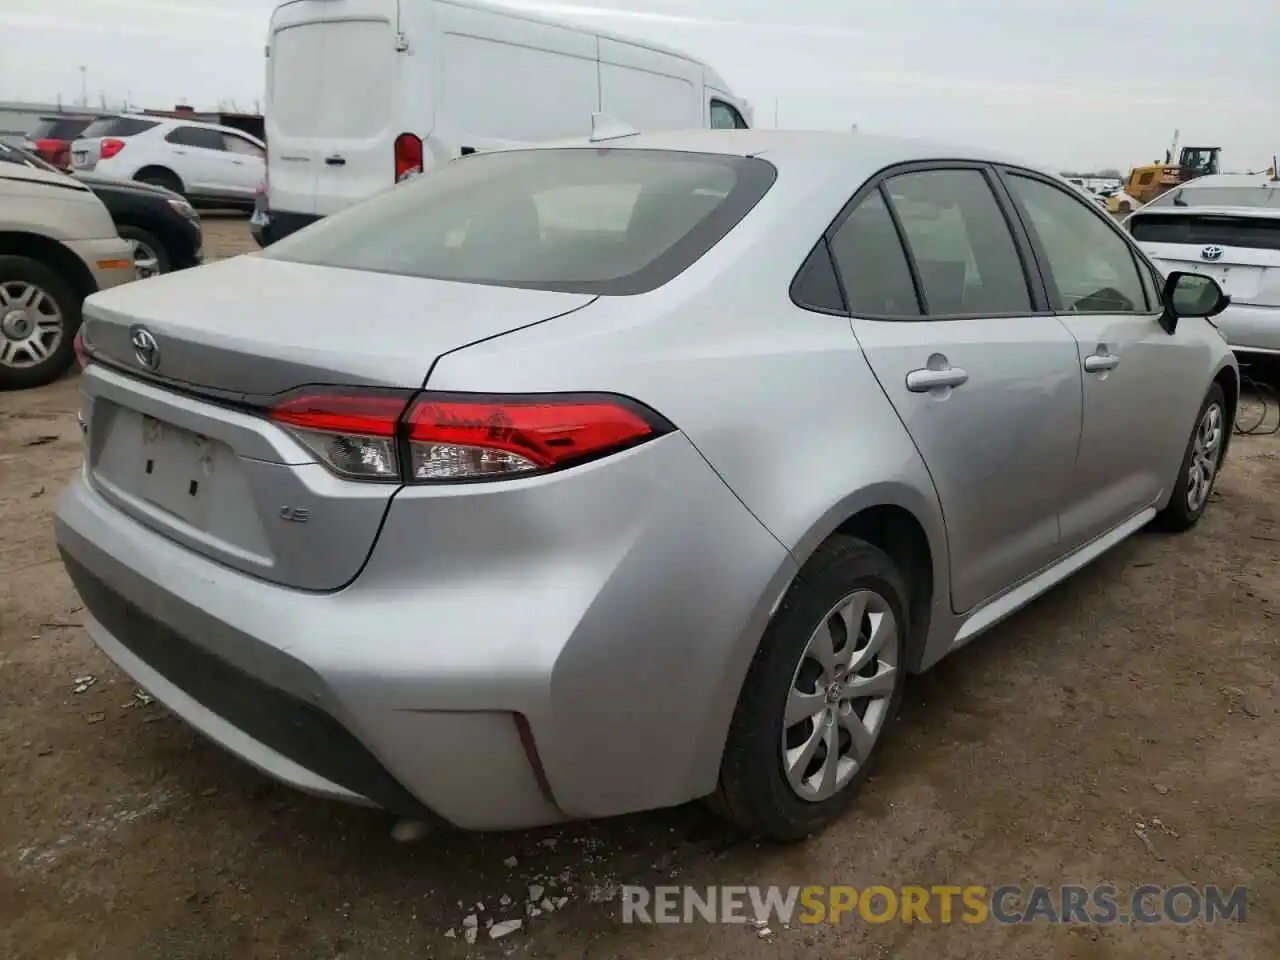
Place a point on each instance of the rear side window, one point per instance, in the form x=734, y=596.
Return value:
x=961, y=245
x=201, y=137
x=1092, y=268
x=1258, y=233
x=606, y=221
x=118, y=127
x=872, y=263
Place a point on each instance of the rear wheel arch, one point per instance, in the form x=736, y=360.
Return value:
x=161, y=176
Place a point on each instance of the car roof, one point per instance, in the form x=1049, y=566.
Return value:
x=1220, y=180
x=1217, y=210
x=816, y=150
x=159, y=119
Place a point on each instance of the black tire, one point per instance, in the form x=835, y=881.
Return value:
x=1180, y=515
x=17, y=372
x=161, y=178
x=164, y=263
x=753, y=790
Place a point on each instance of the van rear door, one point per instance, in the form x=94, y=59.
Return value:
x=336, y=92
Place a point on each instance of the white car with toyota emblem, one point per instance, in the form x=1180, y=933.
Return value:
x=1226, y=227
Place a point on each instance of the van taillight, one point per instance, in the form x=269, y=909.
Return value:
x=398, y=437
x=408, y=156
x=110, y=147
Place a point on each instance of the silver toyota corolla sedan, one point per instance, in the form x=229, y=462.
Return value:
x=597, y=477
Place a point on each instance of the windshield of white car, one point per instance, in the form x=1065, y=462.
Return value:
x=603, y=221
x=1259, y=195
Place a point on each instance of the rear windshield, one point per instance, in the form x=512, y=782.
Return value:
x=58, y=128
x=605, y=221
x=1260, y=195
x=1257, y=232
x=117, y=127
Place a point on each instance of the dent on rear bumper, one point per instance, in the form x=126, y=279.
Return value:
x=1249, y=327
x=615, y=606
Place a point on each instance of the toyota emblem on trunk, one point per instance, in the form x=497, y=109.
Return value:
x=1212, y=253
x=145, y=347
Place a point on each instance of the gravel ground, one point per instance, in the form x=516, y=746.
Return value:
x=1121, y=729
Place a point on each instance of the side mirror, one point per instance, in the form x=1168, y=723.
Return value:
x=1191, y=295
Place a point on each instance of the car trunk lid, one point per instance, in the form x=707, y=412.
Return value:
x=1238, y=249
x=187, y=449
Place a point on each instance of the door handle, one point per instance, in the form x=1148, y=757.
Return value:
x=335, y=160
x=924, y=380
x=1101, y=362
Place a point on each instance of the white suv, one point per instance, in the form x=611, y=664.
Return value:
x=58, y=245
x=206, y=163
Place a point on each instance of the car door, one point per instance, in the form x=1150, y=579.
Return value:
x=1135, y=375
x=951, y=317
x=247, y=164
x=200, y=159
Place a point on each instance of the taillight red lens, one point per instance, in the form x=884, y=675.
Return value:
x=82, y=355
x=450, y=437
x=353, y=434
x=408, y=155
x=464, y=439
x=110, y=147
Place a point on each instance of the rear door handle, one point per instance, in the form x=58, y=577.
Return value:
x=924, y=380
x=335, y=161
x=1100, y=362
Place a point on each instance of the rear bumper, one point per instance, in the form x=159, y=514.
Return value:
x=104, y=258
x=280, y=223
x=566, y=647
x=1251, y=329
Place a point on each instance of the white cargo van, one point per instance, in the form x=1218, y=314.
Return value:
x=362, y=92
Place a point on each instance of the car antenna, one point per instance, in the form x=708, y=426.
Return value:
x=605, y=127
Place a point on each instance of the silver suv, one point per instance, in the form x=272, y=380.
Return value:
x=58, y=245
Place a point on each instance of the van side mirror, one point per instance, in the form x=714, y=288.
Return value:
x=1191, y=295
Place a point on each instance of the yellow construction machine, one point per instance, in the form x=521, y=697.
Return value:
x=1147, y=182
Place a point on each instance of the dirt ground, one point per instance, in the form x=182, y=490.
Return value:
x=1122, y=729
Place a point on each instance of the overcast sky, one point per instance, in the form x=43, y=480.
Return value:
x=1066, y=83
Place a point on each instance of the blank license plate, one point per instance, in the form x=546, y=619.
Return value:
x=80, y=158
x=176, y=470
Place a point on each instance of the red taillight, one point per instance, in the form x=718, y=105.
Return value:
x=110, y=147
x=354, y=434
x=452, y=439
x=362, y=435
x=82, y=355
x=408, y=156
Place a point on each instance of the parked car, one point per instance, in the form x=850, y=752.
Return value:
x=362, y=93
x=164, y=229
x=51, y=138
x=208, y=164
x=627, y=471
x=1226, y=227
x=57, y=246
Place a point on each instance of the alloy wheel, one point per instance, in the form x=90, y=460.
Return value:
x=1206, y=452
x=840, y=695
x=31, y=324
x=145, y=260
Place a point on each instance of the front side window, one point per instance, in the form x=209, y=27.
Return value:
x=872, y=263
x=240, y=145
x=1091, y=267
x=201, y=137
x=607, y=221
x=960, y=243
x=724, y=116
